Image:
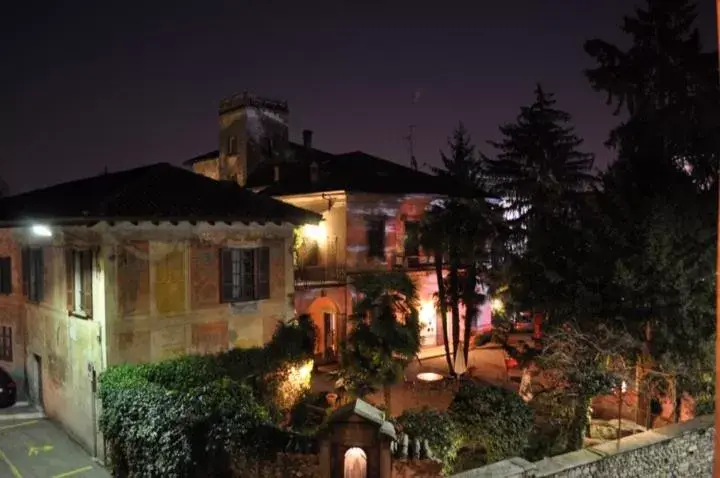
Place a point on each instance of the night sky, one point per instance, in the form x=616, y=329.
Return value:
x=90, y=85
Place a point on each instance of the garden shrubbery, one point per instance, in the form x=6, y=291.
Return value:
x=188, y=416
x=494, y=424
x=435, y=426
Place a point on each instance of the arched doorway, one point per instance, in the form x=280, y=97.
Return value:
x=324, y=313
x=355, y=463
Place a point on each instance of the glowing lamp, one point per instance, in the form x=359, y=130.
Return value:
x=315, y=232
x=497, y=305
x=41, y=230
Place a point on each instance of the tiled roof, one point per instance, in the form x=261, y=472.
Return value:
x=160, y=192
x=353, y=172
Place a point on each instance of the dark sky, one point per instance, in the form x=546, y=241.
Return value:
x=118, y=84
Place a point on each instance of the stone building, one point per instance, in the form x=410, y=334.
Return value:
x=371, y=210
x=135, y=266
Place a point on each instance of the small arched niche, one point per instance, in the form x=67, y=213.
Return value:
x=355, y=463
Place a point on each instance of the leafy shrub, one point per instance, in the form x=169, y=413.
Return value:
x=437, y=428
x=483, y=339
x=185, y=417
x=492, y=421
x=309, y=413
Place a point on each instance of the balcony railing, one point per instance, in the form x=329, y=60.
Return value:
x=320, y=275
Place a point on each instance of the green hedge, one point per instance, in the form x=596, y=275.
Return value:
x=435, y=426
x=188, y=416
x=495, y=424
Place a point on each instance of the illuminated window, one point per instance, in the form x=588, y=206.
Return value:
x=5, y=275
x=6, y=344
x=245, y=274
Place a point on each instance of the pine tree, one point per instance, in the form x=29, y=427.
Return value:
x=539, y=168
x=654, y=249
x=666, y=80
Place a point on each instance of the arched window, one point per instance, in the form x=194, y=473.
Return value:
x=355, y=463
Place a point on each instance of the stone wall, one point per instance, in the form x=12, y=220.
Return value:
x=685, y=449
x=308, y=466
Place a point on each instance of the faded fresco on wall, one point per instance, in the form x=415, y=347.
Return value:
x=209, y=338
x=204, y=276
x=168, y=342
x=57, y=347
x=134, y=347
x=134, y=279
x=169, y=280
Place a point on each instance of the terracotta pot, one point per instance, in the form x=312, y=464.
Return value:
x=331, y=399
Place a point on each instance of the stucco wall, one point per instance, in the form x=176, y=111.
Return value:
x=680, y=450
x=199, y=323
x=12, y=311
x=60, y=350
x=396, y=209
x=64, y=347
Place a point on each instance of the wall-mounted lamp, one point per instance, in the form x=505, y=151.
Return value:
x=41, y=230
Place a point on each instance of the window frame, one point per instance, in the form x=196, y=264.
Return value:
x=237, y=285
x=6, y=285
x=413, y=242
x=79, y=264
x=377, y=251
x=33, y=268
x=6, y=343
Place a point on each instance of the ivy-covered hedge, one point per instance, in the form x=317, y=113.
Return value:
x=187, y=417
x=435, y=426
x=494, y=423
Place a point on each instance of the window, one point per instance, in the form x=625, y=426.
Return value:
x=232, y=145
x=269, y=147
x=33, y=273
x=376, y=238
x=5, y=276
x=6, y=344
x=412, y=238
x=245, y=274
x=79, y=266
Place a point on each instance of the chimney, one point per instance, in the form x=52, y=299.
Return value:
x=307, y=138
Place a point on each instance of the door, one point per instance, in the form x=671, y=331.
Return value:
x=34, y=380
x=329, y=335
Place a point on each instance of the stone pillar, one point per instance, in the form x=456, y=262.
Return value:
x=385, y=460
x=325, y=460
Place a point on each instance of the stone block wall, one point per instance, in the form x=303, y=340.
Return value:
x=684, y=449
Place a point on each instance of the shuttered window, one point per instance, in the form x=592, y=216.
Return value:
x=79, y=267
x=245, y=274
x=5, y=275
x=6, y=344
x=33, y=274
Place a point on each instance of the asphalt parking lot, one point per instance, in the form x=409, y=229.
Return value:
x=39, y=449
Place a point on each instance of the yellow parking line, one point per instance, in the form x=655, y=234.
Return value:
x=71, y=473
x=15, y=472
x=7, y=427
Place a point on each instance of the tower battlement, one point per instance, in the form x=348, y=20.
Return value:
x=245, y=99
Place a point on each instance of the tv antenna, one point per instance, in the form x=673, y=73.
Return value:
x=411, y=145
x=410, y=138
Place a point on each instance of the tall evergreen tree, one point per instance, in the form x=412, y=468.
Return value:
x=541, y=174
x=657, y=242
x=663, y=79
x=460, y=231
